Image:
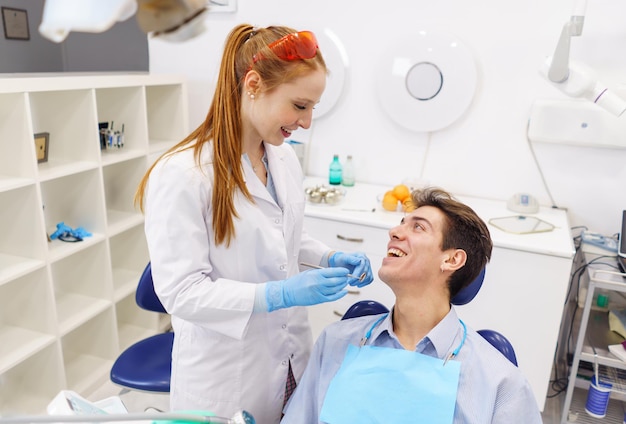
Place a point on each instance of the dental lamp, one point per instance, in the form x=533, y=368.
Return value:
x=171, y=20
x=576, y=79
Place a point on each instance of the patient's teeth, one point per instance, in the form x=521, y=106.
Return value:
x=395, y=252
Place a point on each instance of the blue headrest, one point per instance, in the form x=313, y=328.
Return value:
x=145, y=295
x=469, y=292
x=501, y=343
x=365, y=307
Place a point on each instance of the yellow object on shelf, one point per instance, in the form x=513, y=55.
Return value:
x=617, y=321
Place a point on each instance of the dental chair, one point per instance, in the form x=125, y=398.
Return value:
x=497, y=340
x=147, y=364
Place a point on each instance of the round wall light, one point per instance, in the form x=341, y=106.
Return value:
x=426, y=81
x=336, y=60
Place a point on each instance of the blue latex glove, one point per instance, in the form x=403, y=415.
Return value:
x=307, y=288
x=357, y=263
x=61, y=229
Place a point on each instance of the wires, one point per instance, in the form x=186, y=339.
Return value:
x=543, y=178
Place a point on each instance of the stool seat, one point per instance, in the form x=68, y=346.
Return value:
x=146, y=365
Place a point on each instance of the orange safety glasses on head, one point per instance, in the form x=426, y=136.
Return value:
x=299, y=45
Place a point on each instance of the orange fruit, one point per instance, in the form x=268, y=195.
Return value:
x=401, y=192
x=390, y=202
x=407, y=205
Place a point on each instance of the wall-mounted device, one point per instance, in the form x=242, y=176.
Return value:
x=575, y=122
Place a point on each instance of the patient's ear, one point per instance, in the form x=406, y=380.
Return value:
x=453, y=260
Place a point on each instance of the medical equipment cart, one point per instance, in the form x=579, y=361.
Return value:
x=599, y=278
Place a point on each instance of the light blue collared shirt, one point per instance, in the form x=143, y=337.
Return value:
x=491, y=389
x=271, y=188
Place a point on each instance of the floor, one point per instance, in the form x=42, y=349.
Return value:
x=552, y=410
x=137, y=402
x=134, y=401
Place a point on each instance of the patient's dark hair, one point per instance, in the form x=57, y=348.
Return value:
x=463, y=229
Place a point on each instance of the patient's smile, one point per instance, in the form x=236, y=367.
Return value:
x=393, y=252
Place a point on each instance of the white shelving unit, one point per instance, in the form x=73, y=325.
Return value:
x=68, y=309
x=593, y=336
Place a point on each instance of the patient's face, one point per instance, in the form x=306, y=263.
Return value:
x=414, y=249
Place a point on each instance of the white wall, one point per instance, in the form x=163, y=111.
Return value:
x=485, y=153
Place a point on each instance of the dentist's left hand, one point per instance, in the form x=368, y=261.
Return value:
x=358, y=264
x=307, y=288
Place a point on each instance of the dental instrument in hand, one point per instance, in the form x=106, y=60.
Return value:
x=361, y=278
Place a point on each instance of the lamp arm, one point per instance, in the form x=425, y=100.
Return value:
x=582, y=82
x=575, y=79
x=559, y=66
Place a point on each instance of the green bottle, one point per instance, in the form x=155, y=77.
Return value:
x=334, y=171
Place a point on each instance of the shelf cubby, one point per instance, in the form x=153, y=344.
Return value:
x=77, y=200
x=134, y=323
x=82, y=286
x=89, y=352
x=120, y=183
x=125, y=109
x=27, y=322
x=166, y=116
x=69, y=117
x=29, y=386
x=129, y=257
x=22, y=235
x=17, y=167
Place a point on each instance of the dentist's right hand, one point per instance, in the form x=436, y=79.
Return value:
x=307, y=288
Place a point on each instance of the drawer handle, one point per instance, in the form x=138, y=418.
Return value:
x=354, y=291
x=350, y=239
x=336, y=312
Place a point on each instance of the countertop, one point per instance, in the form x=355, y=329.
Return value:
x=361, y=205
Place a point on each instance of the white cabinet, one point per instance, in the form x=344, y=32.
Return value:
x=68, y=309
x=525, y=283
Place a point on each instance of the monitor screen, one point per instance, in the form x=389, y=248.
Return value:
x=622, y=237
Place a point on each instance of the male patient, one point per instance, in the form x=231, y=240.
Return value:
x=420, y=363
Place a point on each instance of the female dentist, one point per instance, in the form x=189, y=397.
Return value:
x=224, y=214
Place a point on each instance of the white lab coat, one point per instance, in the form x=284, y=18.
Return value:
x=225, y=358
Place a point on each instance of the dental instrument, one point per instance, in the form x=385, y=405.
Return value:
x=361, y=278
